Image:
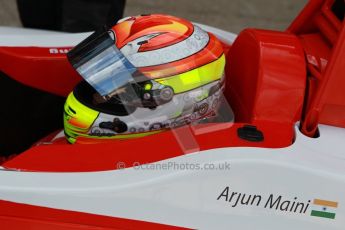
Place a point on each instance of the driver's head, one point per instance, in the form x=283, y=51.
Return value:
x=146, y=74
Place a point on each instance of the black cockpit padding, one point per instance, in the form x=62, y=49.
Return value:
x=26, y=116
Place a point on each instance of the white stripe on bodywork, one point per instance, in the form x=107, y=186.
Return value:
x=193, y=44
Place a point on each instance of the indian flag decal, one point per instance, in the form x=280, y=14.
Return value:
x=324, y=208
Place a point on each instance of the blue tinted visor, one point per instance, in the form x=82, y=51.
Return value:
x=101, y=63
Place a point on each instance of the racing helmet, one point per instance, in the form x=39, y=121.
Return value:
x=144, y=75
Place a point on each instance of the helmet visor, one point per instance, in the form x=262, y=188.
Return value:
x=101, y=63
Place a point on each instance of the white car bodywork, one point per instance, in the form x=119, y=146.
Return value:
x=200, y=199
